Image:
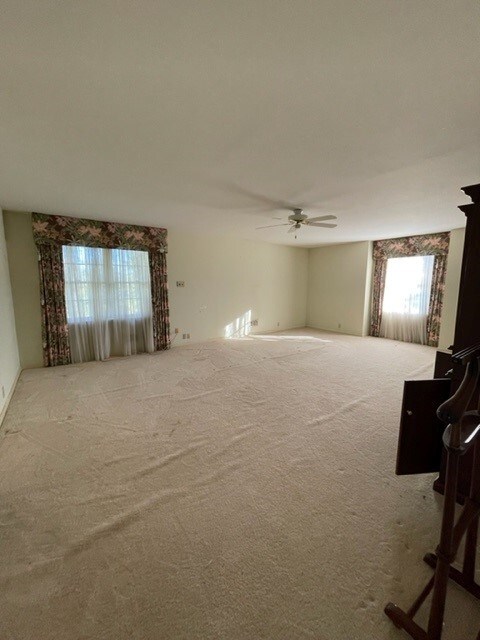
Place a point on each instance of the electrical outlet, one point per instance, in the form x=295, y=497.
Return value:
x=278, y=324
x=339, y=325
x=180, y=283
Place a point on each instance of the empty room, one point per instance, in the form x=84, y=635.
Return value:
x=239, y=336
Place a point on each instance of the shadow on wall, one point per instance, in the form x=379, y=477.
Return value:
x=240, y=327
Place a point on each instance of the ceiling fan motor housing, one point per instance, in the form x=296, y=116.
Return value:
x=298, y=216
x=297, y=219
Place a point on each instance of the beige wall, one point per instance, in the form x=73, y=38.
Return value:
x=22, y=258
x=452, y=284
x=9, y=360
x=339, y=282
x=224, y=279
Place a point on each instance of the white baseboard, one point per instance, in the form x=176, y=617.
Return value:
x=3, y=412
x=339, y=331
x=260, y=332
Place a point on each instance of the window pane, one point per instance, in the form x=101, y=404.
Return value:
x=106, y=284
x=407, y=285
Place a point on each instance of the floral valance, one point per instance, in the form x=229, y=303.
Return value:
x=426, y=245
x=51, y=229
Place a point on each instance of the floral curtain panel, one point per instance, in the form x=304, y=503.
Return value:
x=379, y=276
x=436, y=300
x=161, y=315
x=50, y=232
x=432, y=244
x=56, y=346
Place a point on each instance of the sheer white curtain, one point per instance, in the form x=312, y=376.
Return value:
x=108, y=300
x=408, y=284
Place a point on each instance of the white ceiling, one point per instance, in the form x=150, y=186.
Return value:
x=191, y=114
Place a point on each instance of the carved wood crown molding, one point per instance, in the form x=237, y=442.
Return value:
x=473, y=192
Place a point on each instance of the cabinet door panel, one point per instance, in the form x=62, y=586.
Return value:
x=420, y=438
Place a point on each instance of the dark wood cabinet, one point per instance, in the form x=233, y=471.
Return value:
x=420, y=445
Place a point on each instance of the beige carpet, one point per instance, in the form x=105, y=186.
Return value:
x=237, y=489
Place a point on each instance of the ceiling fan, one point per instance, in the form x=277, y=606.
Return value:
x=297, y=219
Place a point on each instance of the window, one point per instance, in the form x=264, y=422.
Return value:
x=407, y=285
x=106, y=284
x=108, y=301
x=406, y=300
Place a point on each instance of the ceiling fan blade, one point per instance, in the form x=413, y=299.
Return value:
x=321, y=218
x=320, y=224
x=292, y=228
x=268, y=226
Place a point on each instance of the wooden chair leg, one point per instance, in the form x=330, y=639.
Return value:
x=443, y=559
x=445, y=553
x=402, y=620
